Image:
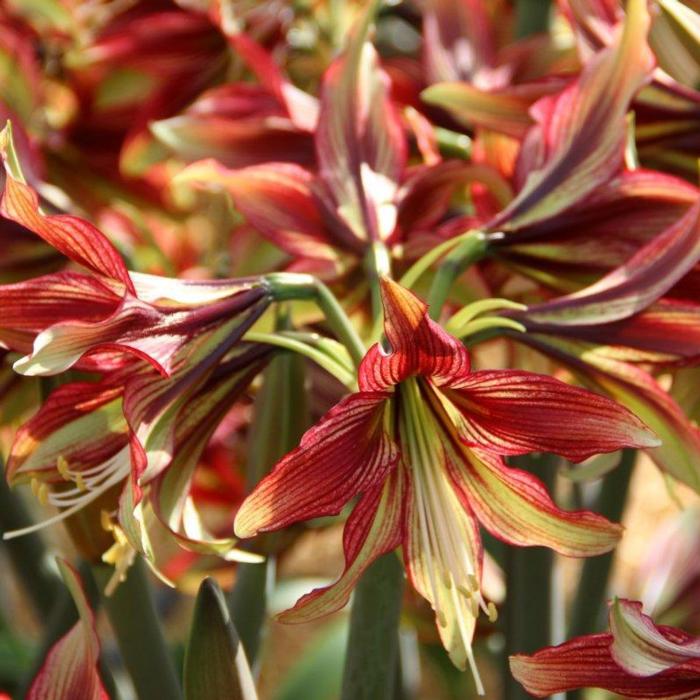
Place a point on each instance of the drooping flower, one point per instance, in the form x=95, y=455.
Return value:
x=422, y=443
x=636, y=659
x=171, y=360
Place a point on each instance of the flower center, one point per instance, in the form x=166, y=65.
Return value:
x=446, y=532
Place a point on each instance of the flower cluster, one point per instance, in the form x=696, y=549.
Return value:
x=272, y=262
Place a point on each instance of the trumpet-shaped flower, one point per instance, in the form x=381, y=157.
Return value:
x=421, y=444
x=637, y=659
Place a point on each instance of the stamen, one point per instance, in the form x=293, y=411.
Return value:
x=492, y=612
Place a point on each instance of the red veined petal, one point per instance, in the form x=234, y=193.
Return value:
x=32, y=306
x=586, y=662
x=360, y=146
x=418, y=345
x=70, y=668
x=76, y=238
x=275, y=198
x=643, y=649
x=679, y=452
x=630, y=288
x=80, y=422
x=373, y=528
x=515, y=412
x=347, y=452
x=514, y=506
x=578, y=141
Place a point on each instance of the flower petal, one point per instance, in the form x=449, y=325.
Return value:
x=276, y=198
x=512, y=412
x=80, y=423
x=514, y=506
x=418, y=345
x=70, y=669
x=578, y=142
x=360, y=146
x=633, y=286
x=643, y=649
x=76, y=238
x=373, y=528
x=347, y=452
x=586, y=662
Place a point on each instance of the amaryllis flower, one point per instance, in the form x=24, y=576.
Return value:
x=172, y=362
x=636, y=659
x=363, y=193
x=421, y=443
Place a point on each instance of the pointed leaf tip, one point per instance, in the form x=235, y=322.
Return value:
x=215, y=662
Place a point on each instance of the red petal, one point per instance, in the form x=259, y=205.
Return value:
x=346, y=453
x=418, y=345
x=586, y=662
x=76, y=238
x=514, y=506
x=373, y=528
x=578, y=142
x=513, y=412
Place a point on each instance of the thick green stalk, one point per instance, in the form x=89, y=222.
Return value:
x=280, y=419
x=372, y=653
x=139, y=634
x=588, y=614
x=470, y=250
x=532, y=17
x=527, y=612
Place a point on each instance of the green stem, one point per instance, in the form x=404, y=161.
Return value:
x=377, y=264
x=589, y=610
x=280, y=419
x=372, y=652
x=139, y=634
x=28, y=556
x=471, y=249
x=286, y=286
x=532, y=17
x=527, y=614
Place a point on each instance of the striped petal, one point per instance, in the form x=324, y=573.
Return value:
x=578, y=142
x=633, y=286
x=587, y=662
x=70, y=669
x=512, y=412
x=418, y=345
x=76, y=238
x=275, y=198
x=360, y=146
x=373, y=528
x=343, y=455
x=643, y=649
x=514, y=506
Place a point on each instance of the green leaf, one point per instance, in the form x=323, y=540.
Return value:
x=215, y=662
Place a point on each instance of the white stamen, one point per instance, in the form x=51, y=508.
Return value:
x=111, y=473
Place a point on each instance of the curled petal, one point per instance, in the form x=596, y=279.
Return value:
x=586, y=662
x=373, y=528
x=76, y=238
x=418, y=344
x=643, y=649
x=341, y=456
x=515, y=412
x=514, y=506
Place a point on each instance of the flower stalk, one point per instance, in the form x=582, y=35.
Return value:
x=139, y=634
